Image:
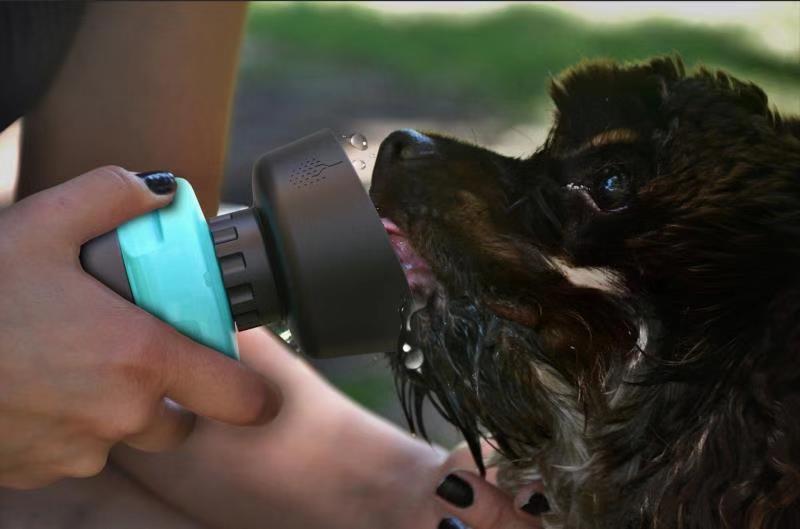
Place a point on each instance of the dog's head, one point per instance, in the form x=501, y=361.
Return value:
x=592, y=307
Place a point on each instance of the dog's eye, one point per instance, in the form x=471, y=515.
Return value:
x=612, y=189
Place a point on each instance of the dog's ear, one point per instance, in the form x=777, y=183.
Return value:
x=604, y=79
x=665, y=71
x=787, y=124
x=598, y=96
x=718, y=90
x=791, y=126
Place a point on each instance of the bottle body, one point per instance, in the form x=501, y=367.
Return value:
x=172, y=271
x=311, y=252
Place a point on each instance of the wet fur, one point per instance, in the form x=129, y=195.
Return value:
x=667, y=392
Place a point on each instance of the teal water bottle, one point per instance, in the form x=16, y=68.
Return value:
x=310, y=253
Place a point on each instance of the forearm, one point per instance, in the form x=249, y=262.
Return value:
x=146, y=86
x=323, y=463
x=109, y=499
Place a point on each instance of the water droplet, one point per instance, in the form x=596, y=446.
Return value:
x=412, y=357
x=414, y=360
x=373, y=155
x=358, y=140
x=360, y=165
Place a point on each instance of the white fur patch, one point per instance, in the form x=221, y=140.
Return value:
x=571, y=418
x=641, y=341
x=604, y=279
x=641, y=347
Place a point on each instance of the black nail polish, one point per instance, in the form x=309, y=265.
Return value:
x=456, y=491
x=537, y=504
x=451, y=523
x=159, y=182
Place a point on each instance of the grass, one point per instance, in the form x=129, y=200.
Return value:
x=372, y=391
x=505, y=57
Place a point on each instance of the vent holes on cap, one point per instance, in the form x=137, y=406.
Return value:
x=308, y=172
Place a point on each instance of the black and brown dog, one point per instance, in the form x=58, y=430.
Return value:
x=620, y=312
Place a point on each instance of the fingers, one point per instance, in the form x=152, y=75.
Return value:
x=480, y=505
x=213, y=385
x=269, y=355
x=532, y=500
x=169, y=425
x=99, y=201
x=81, y=457
x=461, y=457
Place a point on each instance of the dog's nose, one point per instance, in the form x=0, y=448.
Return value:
x=400, y=146
x=408, y=144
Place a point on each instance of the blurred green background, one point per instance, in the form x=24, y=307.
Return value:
x=474, y=70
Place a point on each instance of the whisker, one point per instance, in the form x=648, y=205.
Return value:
x=516, y=204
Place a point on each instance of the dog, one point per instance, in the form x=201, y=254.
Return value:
x=619, y=313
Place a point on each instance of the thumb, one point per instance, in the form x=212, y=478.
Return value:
x=102, y=199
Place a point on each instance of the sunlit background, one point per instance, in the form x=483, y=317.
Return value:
x=476, y=70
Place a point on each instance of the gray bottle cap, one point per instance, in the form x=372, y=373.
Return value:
x=246, y=270
x=334, y=266
x=102, y=258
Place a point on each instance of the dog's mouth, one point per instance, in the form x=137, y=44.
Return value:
x=421, y=279
x=415, y=384
x=418, y=233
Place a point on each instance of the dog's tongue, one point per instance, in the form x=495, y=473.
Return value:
x=419, y=276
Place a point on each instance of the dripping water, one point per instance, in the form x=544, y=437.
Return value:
x=414, y=386
x=356, y=140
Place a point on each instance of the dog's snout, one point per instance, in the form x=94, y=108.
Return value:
x=399, y=147
x=408, y=144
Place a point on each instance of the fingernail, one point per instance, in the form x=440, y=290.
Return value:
x=451, y=523
x=456, y=491
x=159, y=182
x=537, y=504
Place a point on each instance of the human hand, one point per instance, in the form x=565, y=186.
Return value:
x=479, y=504
x=80, y=367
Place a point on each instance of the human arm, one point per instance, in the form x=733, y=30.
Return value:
x=324, y=462
x=327, y=464
x=145, y=85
